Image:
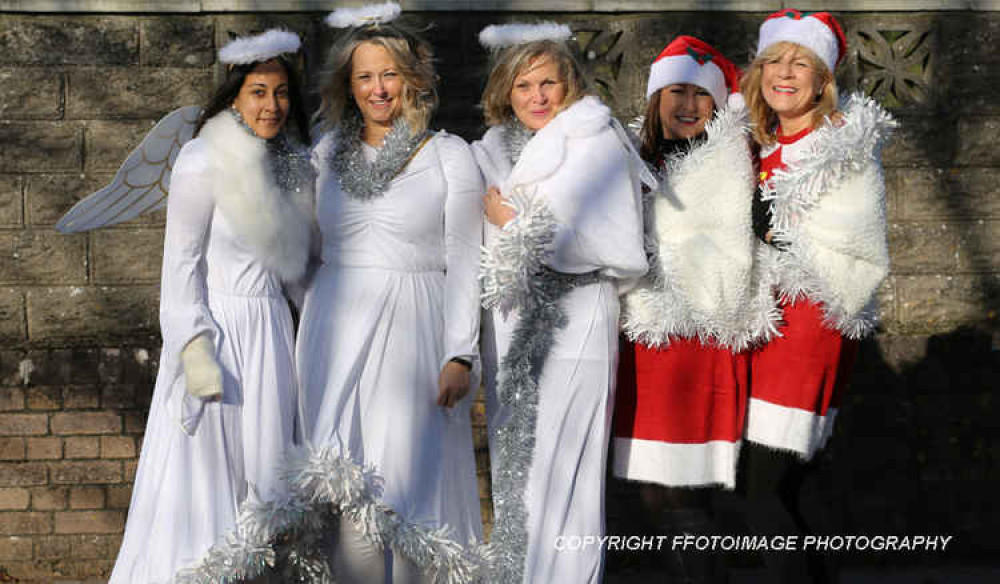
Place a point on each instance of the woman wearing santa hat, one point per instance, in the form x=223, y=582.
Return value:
x=681, y=399
x=565, y=235
x=239, y=223
x=821, y=179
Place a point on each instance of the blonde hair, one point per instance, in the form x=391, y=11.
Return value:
x=762, y=118
x=413, y=59
x=512, y=62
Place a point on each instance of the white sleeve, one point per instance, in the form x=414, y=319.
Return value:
x=463, y=228
x=184, y=312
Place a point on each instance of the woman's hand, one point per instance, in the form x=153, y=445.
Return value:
x=453, y=384
x=497, y=212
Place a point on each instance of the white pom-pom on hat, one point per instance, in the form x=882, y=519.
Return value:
x=261, y=47
x=496, y=36
x=363, y=15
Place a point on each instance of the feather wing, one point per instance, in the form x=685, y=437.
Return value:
x=142, y=182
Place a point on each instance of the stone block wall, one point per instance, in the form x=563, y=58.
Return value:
x=915, y=450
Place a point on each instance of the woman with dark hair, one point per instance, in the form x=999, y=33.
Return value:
x=564, y=240
x=683, y=383
x=822, y=183
x=388, y=349
x=239, y=224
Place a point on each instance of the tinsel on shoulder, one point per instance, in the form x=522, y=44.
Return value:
x=841, y=149
x=363, y=180
x=289, y=532
x=515, y=277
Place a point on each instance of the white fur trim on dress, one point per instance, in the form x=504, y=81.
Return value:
x=703, y=280
x=321, y=483
x=262, y=47
x=497, y=36
x=525, y=243
x=828, y=210
x=275, y=226
x=363, y=15
x=788, y=429
x=677, y=465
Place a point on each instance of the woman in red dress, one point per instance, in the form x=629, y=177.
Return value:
x=681, y=400
x=822, y=187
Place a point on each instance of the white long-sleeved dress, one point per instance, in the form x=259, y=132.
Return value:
x=580, y=169
x=199, y=459
x=397, y=297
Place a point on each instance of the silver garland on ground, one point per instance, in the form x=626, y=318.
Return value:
x=292, y=533
x=365, y=180
x=514, y=277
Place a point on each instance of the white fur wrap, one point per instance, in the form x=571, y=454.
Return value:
x=699, y=237
x=276, y=226
x=828, y=209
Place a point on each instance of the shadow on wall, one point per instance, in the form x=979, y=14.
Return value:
x=913, y=453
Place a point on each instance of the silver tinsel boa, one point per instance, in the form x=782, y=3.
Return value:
x=363, y=180
x=514, y=277
x=290, y=535
x=515, y=137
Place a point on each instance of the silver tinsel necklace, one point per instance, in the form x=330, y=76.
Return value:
x=515, y=137
x=288, y=162
x=365, y=180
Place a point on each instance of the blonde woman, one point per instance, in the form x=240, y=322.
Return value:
x=387, y=352
x=821, y=178
x=565, y=234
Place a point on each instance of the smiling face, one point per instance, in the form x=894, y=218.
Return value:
x=263, y=99
x=684, y=110
x=790, y=85
x=537, y=94
x=376, y=85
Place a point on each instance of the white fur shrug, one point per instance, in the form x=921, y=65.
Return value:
x=828, y=212
x=699, y=236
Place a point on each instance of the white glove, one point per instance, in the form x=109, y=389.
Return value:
x=202, y=373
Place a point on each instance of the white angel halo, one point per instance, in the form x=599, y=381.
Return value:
x=261, y=47
x=363, y=15
x=497, y=36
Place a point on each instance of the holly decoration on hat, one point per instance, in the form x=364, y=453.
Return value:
x=796, y=14
x=701, y=58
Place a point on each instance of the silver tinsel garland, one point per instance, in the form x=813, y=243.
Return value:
x=292, y=532
x=515, y=137
x=514, y=277
x=363, y=180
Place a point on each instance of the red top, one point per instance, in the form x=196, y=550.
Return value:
x=772, y=161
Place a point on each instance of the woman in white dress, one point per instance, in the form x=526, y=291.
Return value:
x=565, y=235
x=388, y=348
x=223, y=408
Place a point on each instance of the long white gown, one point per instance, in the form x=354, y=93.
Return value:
x=199, y=459
x=583, y=171
x=395, y=298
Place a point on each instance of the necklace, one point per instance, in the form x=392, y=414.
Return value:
x=365, y=180
x=515, y=137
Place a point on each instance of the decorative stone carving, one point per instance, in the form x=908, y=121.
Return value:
x=895, y=63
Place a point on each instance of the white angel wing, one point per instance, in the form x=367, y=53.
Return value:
x=143, y=180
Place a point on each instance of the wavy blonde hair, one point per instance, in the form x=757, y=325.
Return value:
x=762, y=118
x=514, y=61
x=413, y=58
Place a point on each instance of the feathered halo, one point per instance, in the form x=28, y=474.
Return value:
x=261, y=47
x=498, y=36
x=363, y=15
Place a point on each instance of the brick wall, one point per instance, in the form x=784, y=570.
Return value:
x=915, y=448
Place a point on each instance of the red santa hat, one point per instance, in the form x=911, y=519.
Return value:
x=817, y=31
x=690, y=60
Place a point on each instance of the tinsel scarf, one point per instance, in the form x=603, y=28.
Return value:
x=515, y=277
x=515, y=137
x=363, y=180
